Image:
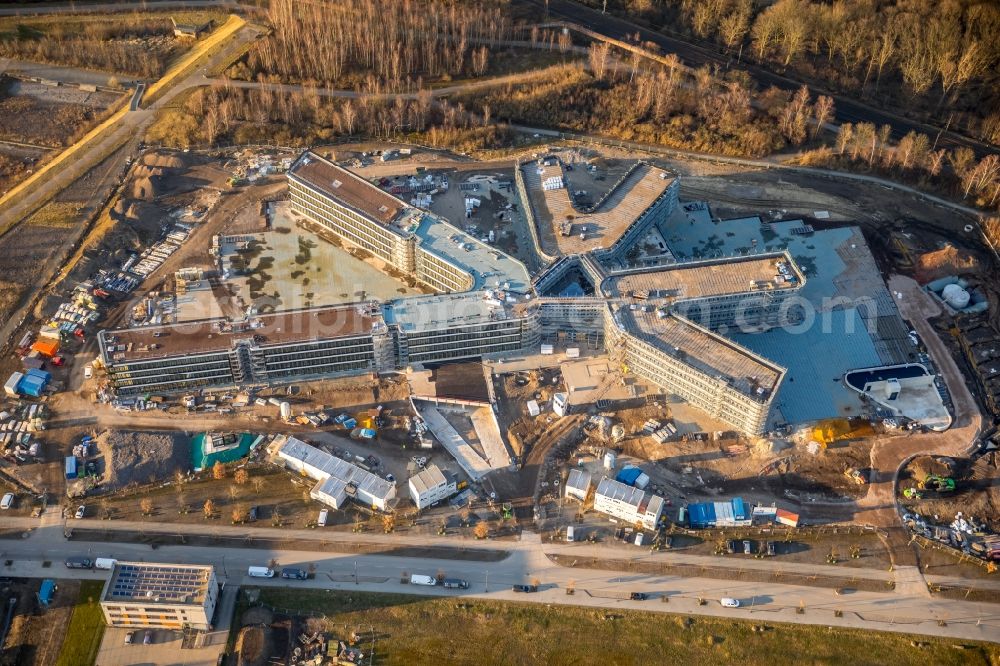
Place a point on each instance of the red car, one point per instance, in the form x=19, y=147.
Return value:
x=58, y=360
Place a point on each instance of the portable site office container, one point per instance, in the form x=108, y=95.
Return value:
x=71, y=467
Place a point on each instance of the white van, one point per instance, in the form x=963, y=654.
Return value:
x=260, y=572
x=418, y=579
x=323, y=515
x=569, y=533
x=106, y=563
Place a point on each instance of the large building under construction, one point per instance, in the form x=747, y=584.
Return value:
x=668, y=319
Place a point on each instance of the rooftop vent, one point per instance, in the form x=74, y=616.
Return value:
x=383, y=209
x=337, y=183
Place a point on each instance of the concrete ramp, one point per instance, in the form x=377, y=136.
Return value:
x=470, y=461
x=488, y=430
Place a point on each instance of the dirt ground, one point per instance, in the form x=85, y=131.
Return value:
x=48, y=116
x=36, y=635
x=976, y=495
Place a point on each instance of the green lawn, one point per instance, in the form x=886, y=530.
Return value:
x=418, y=630
x=86, y=627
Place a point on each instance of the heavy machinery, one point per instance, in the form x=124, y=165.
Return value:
x=856, y=475
x=938, y=483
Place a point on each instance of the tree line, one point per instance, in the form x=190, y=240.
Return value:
x=222, y=114
x=933, y=59
x=114, y=45
x=396, y=42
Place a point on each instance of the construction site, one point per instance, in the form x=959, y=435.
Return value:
x=687, y=370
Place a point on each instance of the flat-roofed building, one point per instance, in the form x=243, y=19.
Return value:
x=431, y=485
x=272, y=348
x=643, y=197
x=160, y=596
x=627, y=503
x=434, y=329
x=578, y=484
x=337, y=479
x=713, y=373
x=419, y=244
x=746, y=292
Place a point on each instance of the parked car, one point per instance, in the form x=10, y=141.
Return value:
x=81, y=511
x=749, y=547
x=296, y=574
x=58, y=361
x=728, y=602
x=147, y=637
x=455, y=583
x=638, y=596
x=770, y=548
x=129, y=637
x=7, y=501
x=78, y=563
x=732, y=546
x=525, y=588
x=88, y=371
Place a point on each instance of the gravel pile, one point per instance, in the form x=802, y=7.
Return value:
x=142, y=457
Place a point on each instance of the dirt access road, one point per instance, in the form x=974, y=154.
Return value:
x=878, y=507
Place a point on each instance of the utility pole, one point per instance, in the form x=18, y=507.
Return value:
x=356, y=573
x=487, y=581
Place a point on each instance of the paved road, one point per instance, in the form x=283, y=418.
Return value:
x=72, y=75
x=847, y=109
x=888, y=611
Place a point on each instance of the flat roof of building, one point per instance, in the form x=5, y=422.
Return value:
x=488, y=266
x=622, y=492
x=338, y=472
x=445, y=311
x=600, y=228
x=164, y=584
x=711, y=353
x=213, y=335
x=702, y=279
x=427, y=479
x=579, y=479
x=339, y=183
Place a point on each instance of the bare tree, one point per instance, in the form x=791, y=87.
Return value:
x=822, y=112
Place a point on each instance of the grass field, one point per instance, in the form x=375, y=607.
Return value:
x=86, y=628
x=418, y=630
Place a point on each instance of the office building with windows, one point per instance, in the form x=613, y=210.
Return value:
x=145, y=595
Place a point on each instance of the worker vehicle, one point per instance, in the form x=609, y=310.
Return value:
x=78, y=563
x=638, y=596
x=7, y=501
x=525, y=588
x=294, y=574
x=455, y=583
x=729, y=602
x=260, y=572
x=420, y=579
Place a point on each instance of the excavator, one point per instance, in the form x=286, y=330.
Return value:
x=938, y=483
x=933, y=483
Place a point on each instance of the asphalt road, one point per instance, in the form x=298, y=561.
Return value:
x=908, y=609
x=847, y=109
